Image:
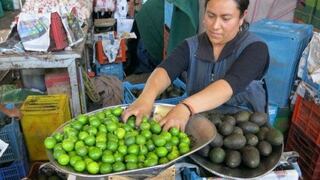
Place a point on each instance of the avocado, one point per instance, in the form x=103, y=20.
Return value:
x=260, y=118
x=237, y=130
x=225, y=128
x=252, y=139
x=250, y=156
x=242, y=116
x=217, y=141
x=234, y=141
x=204, y=152
x=262, y=133
x=265, y=148
x=233, y=159
x=217, y=155
x=229, y=119
x=215, y=119
x=274, y=137
x=249, y=127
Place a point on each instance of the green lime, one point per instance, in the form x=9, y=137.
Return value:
x=63, y=159
x=92, y=130
x=82, y=151
x=67, y=145
x=141, y=158
x=131, y=158
x=127, y=127
x=150, y=145
x=168, y=146
x=166, y=135
x=174, y=131
x=131, y=165
x=101, y=145
x=90, y=140
x=132, y=121
x=161, y=151
x=83, y=119
x=163, y=160
x=94, y=122
x=50, y=142
x=100, y=115
x=107, y=112
x=93, y=167
x=108, y=158
x=182, y=135
x=82, y=135
x=145, y=119
x=105, y=168
x=77, y=125
x=112, y=137
x=123, y=149
x=72, y=153
x=112, y=126
x=58, y=146
x=141, y=140
x=120, y=132
x=143, y=149
x=117, y=111
x=118, y=156
x=102, y=128
x=145, y=126
x=152, y=155
x=112, y=146
x=174, y=140
x=150, y=162
x=118, y=166
x=185, y=140
x=57, y=153
x=159, y=141
x=58, y=136
x=146, y=133
x=73, y=160
x=156, y=128
x=130, y=140
x=173, y=155
x=95, y=153
x=133, y=149
x=78, y=144
x=79, y=165
x=184, y=148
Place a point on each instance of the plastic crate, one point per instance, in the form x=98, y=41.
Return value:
x=307, y=117
x=1, y=10
x=42, y=115
x=129, y=97
x=7, y=5
x=114, y=69
x=11, y=134
x=309, y=152
x=17, y=169
x=286, y=42
x=58, y=36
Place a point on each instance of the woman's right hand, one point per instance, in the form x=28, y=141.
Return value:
x=139, y=108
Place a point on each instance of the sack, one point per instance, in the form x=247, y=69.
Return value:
x=34, y=31
x=110, y=90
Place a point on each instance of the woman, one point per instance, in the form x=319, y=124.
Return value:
x=225, y=66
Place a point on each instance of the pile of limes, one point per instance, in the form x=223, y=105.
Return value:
x=101, y=143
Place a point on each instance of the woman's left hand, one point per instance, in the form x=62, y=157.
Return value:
x=177, y=117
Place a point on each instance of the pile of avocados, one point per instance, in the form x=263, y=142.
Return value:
x=242, y=139
x=171, y=92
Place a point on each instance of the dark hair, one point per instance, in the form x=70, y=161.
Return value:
x=242, y=5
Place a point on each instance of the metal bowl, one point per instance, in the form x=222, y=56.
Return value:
x=267, y=164
x=201, y=130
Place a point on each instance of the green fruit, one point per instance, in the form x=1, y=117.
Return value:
x=118, y=166
x=250, y=157
x=252, y=139
x=108, y=158
x=242, y=116
x=50, y=142
x=79, y=166
x=265, y=148
x=140, y=140
x=234, y=141
x=225, y=128
x=217, y=141
x=131, y=165
x=233, y=159
x=63, y=159
x=217, y=155
x=174, y=131
x=93, y=167
x=105, y=168
x=274, y=137
x=117, y=111
x=249, y=127
x=259, y=118
x=161, y=151
x=150, y=162
x=132, y=158
x=156, y=128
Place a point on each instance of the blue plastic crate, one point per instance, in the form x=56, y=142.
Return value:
x=12, y=135
x=286, y=42
x=17, y=169
x=114, y=69
x=129, y=97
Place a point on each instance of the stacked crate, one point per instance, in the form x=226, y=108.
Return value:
x=14, y=161
x=304, y=136
x=308, y=12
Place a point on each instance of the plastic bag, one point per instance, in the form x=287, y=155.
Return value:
x=34, y=31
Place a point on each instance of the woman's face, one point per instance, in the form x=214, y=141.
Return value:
x=222, y=21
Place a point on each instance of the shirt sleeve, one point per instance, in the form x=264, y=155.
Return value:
x=251, y=65
x=177, y=61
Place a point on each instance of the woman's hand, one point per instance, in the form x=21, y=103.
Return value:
x=139, y=108
x=177, y=117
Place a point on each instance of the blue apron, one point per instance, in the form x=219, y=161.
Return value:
x=203, y=72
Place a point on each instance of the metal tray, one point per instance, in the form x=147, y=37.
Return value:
x=267, y=164
x=201, y=130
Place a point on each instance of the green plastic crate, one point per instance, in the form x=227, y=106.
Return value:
x=283, y=119
x=317, y=10
x=302, y=16
x=309, y=7
x=316, y=22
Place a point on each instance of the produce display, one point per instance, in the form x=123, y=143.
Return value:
x=101, y=143
x=242, y=139
x=170, y=92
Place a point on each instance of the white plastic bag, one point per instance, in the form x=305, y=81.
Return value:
x=34, y=31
